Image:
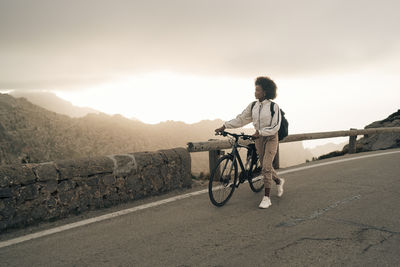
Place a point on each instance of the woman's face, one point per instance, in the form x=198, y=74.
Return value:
x=259, y=93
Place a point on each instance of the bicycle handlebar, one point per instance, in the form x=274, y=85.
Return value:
x=236, y=136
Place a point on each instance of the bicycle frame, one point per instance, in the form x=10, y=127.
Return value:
x=223, y=181
x=237, y=158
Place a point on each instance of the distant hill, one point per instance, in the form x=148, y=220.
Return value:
x=52, y=102
x=30, y=133
x=326, y=148
x=293, y=153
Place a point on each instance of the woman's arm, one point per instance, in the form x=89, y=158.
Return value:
x=241, y=120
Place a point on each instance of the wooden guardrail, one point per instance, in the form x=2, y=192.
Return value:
x=215, y=146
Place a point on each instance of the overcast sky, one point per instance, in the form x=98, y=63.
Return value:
x=68, y=46
x=49, y=43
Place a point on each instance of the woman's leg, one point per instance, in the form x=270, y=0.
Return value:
x=275, y=176
x=260, y=148
x=266, y=147
x=271, y=147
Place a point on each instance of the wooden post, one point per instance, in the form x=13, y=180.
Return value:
x=352, y=143
x=213, y=156
x=275, y=163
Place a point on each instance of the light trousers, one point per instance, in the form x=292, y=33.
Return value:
x=267, y=147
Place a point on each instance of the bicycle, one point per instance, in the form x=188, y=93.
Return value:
x=224, y=177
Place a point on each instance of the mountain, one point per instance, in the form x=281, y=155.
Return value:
x=30, y=133
x=293, y=153
x=326, y=148
x=52, y=102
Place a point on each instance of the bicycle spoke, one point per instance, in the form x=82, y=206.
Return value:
x=222, y=187
x=256, y=181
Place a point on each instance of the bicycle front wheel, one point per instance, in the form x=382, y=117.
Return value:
x=222, y=181
x=256, y=180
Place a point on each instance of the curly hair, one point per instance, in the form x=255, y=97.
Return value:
x=268, y=86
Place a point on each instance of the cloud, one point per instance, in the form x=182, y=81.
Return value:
x=62, y=43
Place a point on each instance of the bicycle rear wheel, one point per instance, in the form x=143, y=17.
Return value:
x=256, y=180
x=222, y=181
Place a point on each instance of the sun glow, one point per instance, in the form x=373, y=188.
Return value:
x=312, y=104
x=163, y=96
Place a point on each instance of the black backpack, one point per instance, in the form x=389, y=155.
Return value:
x=284, y=129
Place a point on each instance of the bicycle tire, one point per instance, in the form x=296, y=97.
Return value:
x=256, y=181
x=222, y=181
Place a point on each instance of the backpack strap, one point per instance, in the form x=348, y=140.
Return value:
x=252, y=105
x=271, y=107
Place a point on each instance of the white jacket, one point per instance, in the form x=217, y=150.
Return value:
x=260, y=116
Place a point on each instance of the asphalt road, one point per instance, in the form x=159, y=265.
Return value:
x=342, y=214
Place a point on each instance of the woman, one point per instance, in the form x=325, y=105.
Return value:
x=266, y=135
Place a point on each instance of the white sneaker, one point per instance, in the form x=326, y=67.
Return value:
x=265, y=203
x=280, y=187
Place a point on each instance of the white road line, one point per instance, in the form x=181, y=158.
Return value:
x=97, y=219
x=336, y=161
x=158, y=203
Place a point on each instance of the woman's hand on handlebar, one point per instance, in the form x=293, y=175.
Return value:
x=221, y=129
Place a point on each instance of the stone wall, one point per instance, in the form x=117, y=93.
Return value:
x=38, y=192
